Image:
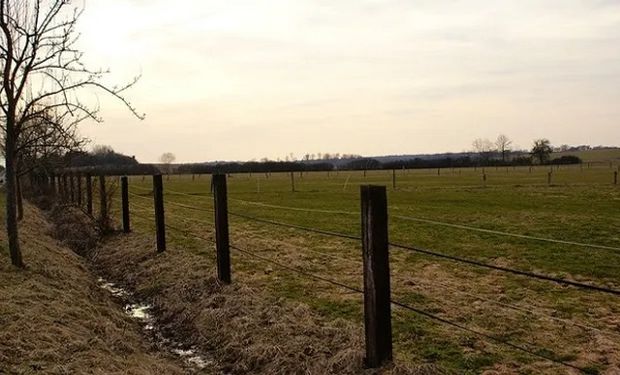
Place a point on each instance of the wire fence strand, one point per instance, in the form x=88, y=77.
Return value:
x=426, y=314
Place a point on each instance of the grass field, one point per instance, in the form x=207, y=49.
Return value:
x=605, y=155
x=565, y=323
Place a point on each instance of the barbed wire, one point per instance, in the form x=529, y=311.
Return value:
x=526, y=310
x=295, y=226
x=426, y=314
x=508, y=270
x=496, y=232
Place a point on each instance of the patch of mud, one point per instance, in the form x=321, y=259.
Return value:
x=142, y=312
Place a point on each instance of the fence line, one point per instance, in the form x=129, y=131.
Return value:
x=508, y=270
x=294, y=226
x=374, y=238
x=405, y=306
x=491, y=231
x=435, y=222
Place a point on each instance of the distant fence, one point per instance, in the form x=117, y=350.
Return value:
x=375, y=245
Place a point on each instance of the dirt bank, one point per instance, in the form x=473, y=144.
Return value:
x=55, y=318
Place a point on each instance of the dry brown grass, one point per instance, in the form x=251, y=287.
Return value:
x=246, y=329
x=54, y=319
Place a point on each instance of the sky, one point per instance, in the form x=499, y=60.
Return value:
x=243, y=80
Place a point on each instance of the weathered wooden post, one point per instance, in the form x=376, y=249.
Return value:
x=160, y=223
x=484, y=179
x=125, y=204
x=549, y=178
x=375, y=244
x=103, y=201
x=89, y=194
x=364, y=173
x=72, y=188
x=615, y=177
x=221, y=228
x=438, y=171
x=65, y=188
x=293, y=182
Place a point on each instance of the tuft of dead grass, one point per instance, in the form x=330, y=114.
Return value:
x=74, y=228
x=247, y=330
x=54, y=319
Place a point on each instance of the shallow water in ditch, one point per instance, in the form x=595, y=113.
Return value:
x=142, y=312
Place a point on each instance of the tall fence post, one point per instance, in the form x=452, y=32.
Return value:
x=377, y=309
x=125, y=204
x=65, y=188
x=103, y=201
x=72, y=188
x=160, y=223
x=549, y=178
x=79, y=190
x=221, y=228
x=89, y=195
x=615, y=177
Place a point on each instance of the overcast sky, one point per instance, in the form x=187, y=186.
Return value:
x=240, y=80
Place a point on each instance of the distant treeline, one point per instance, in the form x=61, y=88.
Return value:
x=254, y=166
x=112, y=163
x=466, y=161
x=362, y=164
x=105, y=161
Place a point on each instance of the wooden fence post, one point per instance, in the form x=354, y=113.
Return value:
x=221, y=228
x=89, y=195
x=484, y=179
x=103, y=201
x=72, y=188
x=79, y=190
x=293, y=182
x=125, y=204
x=615, y=177
x=375, y=245
x=160, y=223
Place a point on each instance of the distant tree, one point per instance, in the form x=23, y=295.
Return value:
x=102, y=150
x=483, y=147
x=541, y=150
x=503, y=143
x=167, y=158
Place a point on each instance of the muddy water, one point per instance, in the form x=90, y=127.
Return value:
x=142, y=312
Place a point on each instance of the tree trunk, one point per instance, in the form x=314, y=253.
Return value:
x=20, y=199
x=11, y=193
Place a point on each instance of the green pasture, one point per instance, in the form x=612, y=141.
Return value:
x=580, y=205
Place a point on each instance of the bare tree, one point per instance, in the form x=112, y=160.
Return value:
x=167, y=158
x=483, y=147
x=503, y=144
x=41, y=70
